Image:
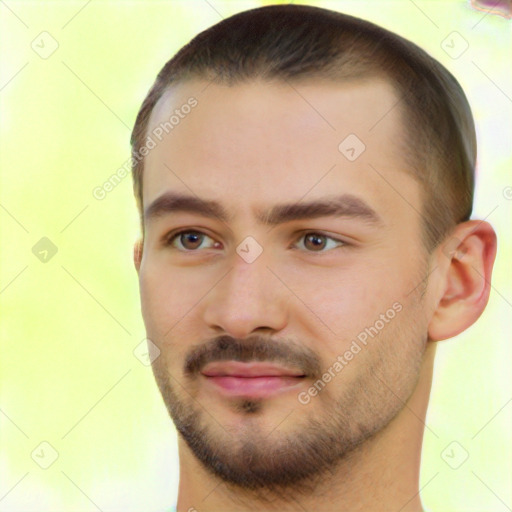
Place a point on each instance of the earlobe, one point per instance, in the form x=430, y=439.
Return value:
x=466, y=279
x=137, y=254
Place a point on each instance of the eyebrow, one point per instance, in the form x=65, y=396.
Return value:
x=345, y=205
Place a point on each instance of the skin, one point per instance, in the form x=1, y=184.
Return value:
x=249, y=147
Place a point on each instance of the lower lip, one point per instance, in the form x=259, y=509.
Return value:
x=256, y=387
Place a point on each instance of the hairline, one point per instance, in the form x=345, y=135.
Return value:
x=410, y=156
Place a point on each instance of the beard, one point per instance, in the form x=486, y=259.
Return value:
x=293, y=461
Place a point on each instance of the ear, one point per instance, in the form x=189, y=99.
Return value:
x=465, y=280
x=137, y=253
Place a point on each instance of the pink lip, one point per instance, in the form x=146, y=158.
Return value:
x=251, y=379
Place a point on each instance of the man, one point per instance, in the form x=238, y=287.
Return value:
x=305, y=184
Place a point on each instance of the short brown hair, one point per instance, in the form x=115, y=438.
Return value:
x=297, y=42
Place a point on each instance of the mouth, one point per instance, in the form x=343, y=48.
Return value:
x=254, y=380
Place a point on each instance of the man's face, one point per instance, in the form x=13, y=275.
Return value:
x=245, y=335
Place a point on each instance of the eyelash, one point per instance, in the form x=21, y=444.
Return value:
x=169, y=240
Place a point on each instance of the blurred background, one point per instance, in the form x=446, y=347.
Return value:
x=82, y=424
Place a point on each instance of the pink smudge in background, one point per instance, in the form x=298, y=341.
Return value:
x=500, y=7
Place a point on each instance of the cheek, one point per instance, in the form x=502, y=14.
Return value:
x=171, y=299
x=164, y=298
x=167, y=305
x=346, y=299
x=353, y=302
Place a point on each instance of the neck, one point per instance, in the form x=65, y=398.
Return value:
x=381, y=474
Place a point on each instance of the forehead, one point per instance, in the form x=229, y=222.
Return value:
x=257, y=143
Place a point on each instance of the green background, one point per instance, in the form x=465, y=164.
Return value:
x=70, y=323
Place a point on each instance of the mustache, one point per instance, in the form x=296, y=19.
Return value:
x=256, y=348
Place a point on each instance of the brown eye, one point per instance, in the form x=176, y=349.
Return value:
x=187, y=240
x=314, y=241
x=317, y=242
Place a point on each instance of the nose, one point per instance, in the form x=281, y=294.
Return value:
x=248, y=298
